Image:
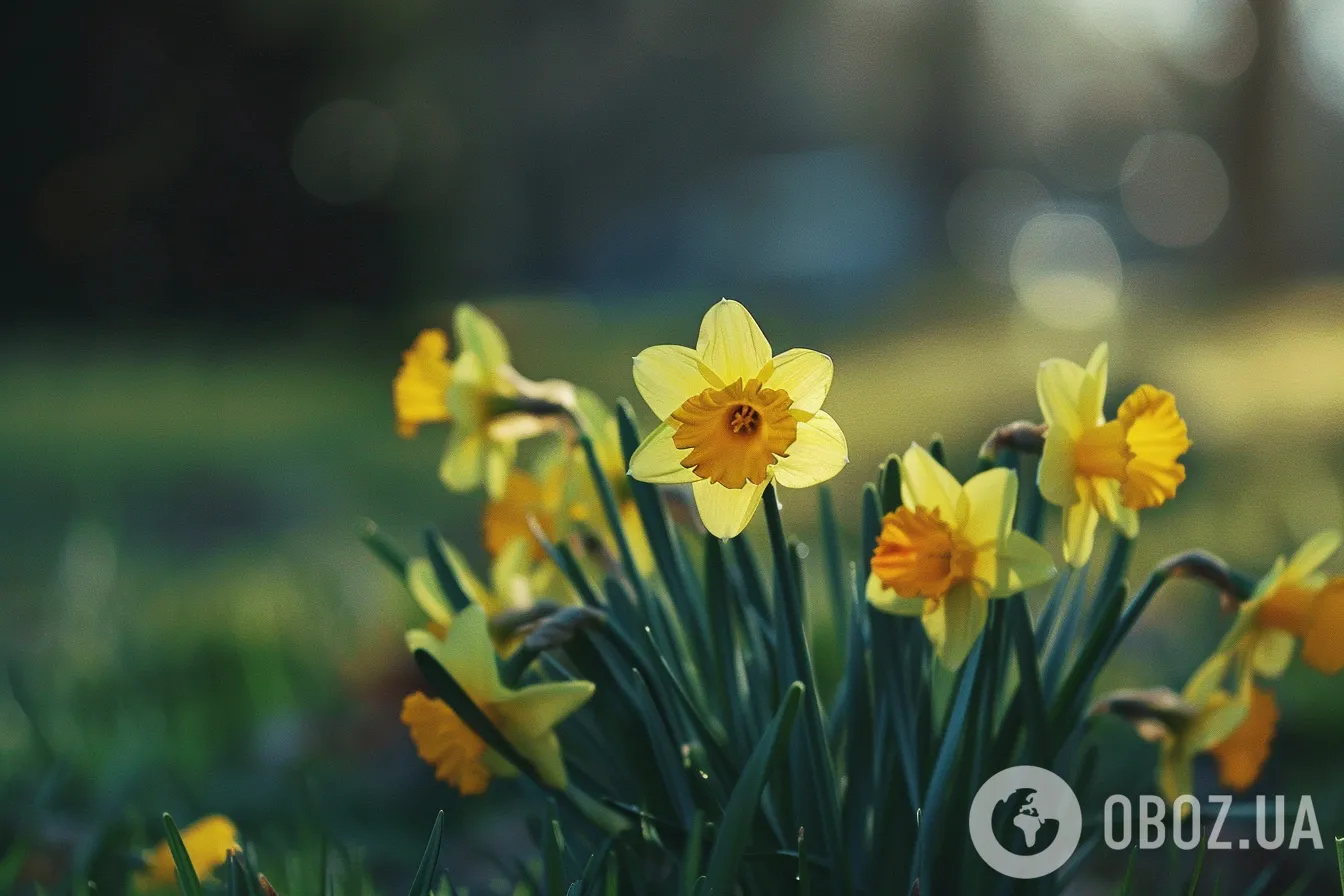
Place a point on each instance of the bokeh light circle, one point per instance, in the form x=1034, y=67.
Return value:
x=345, y=152
x=1175, y=191
x=985, y=214
x=1066, y=271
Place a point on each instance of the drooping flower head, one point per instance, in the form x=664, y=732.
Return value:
x=950, y=548
x=420, y=389
x=1093, y=467
x=1294, y=601
x=1234, y=729
x=208, y=840
x=526, y=717
x=735, y=417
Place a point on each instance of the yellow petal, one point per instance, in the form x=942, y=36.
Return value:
x=1273, y=652
x=1312, y=554
x=1020, y=563
x=991, y=501
x=667, y=375
x=926, y=483
x=817, y=453
x=1175, y=770
x=889, y=601
x=468, y=655
x=208, y=842
x=1323, y=647
x=658, y=459
x=424, y=587
x=726, y=511
x=1156, y=436
x=1206, y=680
x=534, y=710
x=1243, y=753
x=478, y=335
x=544, y=753
x=955, y=624
x=420, y=389
x=805, y=375
x=1218, y=720
x=499, y=458
x=1080, y=530
x=463, y=465
x=1057, y=470
x=1059, y=386
x=731, y=344
x=1092, y=395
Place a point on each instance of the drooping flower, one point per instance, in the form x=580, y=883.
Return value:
x=208, y=841
x=1092, y=467
x=1234, y=729
x=950, y=548
x=420, y=389
x=526, y=717
x=493, y=407
x=735, y=418
x=1294, y=601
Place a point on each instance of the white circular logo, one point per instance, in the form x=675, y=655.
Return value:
x=1025, y=822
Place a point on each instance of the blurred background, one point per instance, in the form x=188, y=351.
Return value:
x=231, y=216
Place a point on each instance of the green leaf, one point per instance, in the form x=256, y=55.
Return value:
x=690, y=863
x=553, y=852
x=804, y=878
x=187, y=881
x=429, y=862
x=672, y=773
x=452, y=587
x=1339, y=850
x=888, y=488
x=1127, y=885
x=730, y=840
x=383, y=548
x=1199, y=868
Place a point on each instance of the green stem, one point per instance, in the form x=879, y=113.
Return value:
x=612, y=512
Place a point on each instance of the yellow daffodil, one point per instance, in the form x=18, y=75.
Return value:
x=420, y=389
x=583, y=506
x=493, y=407
x=1092, y=467
x=1293, y=601
x=1235, y=730
x=208, y=841
x=734, y=418
x=948, y=549
x=526, y=717
x=540, y=496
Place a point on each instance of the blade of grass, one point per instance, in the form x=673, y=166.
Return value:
x=187, y=881
x=429, y=862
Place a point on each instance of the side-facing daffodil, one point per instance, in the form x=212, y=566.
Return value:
x=420, y=389
x=1293, y=601
x=208, y=840
x=1092, y=467
x=1235, y=730
x=493, y=407
x=950, y=548
x=736, y=417
x=526, y=717
x=538, y=496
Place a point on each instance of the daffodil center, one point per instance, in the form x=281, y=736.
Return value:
x=919, y=555
x=735, y=433
x=1102, y=451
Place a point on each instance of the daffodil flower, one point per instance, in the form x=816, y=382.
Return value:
x=526, y=717
x=420, y=389
x=1092, y=467
x=493, y=407
x=1294, y=601
x=208, y=841
x=1234, y=729
x=735, y=418
x=950, y=548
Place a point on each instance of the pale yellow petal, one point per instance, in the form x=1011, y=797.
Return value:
x=1059, y=386
x=926, y=483
x=667, y=375
x=1093, y=393
x=463, y=465
x=1206, y=680
x=991, y=499
x=954, y=626
x=1057, y=470
x=544, y=753
x=1312, y=554
x=731, y=344
x=478, y=335
x=726, y=511
x=1175, y=770
x=1223, y=715
x=889, y=601
x=1273, y=652
x=534, y=710
x=469, y=656
x=817, y=453
x=1020, y=563
x=424, y=587
x=499, y=458
x=805, y=375
x=658, y=459
x=1080, y=530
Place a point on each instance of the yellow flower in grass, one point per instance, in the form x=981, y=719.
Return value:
x=208, y=841
x=735, y=417
x=1294, y=601
x=950, y=548
x=1092, y=467
x=1235, y=730
x=420, y=389
x=526, y=717
x=493, y=407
